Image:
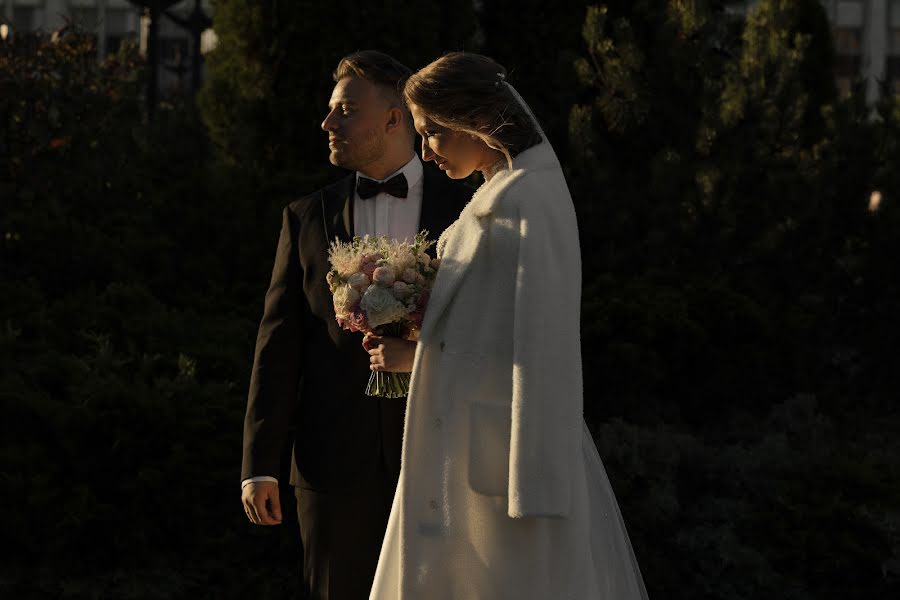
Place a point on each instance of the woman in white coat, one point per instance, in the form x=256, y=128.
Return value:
x=502, y=494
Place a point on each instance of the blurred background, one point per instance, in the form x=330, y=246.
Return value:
x=736, y=172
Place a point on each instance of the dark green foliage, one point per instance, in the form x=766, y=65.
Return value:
x=736, y=299
x=132, y=281
x=537, y=41
x=740, y=300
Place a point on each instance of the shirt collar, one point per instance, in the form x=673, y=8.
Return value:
x=412, y=171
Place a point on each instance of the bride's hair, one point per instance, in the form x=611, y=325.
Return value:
x=468, y=93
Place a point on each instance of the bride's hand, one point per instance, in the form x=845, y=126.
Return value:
x=390, y=353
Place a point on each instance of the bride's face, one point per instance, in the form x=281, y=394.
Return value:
x=456, y=153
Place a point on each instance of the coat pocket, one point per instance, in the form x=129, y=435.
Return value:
x=489, y=439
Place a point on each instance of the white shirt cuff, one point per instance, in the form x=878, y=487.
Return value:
x=258, y=478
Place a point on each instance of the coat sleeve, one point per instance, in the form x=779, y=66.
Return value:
x=277, y=362
x=547, y=399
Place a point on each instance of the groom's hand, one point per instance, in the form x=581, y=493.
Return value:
x=262, y=503
x=391, y=354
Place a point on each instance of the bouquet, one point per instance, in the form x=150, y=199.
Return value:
x=381, y=286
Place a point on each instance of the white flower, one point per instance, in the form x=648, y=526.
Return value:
x=359, y=280
x=400, y=256
x=381, y=307
x=345, y=299
x=344, y=258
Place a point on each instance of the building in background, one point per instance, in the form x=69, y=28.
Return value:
x=866, y=35
x=892, y=71
x=866, y=41
x=111, y=22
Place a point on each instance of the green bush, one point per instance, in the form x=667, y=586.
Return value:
x=133, y=270
x=736, y=299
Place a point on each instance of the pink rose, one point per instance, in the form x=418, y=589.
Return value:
x=368, y=267
x=409, y=276
x=383, y=276
x=358, y=321
x=418, y=314
x=422, y=300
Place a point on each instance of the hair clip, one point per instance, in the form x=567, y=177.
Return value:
x=501, y=78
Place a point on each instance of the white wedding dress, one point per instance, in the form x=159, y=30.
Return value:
x=452, y=534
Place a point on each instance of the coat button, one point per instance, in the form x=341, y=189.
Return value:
x=437, y=423
x=433, y=504
x=442, y=345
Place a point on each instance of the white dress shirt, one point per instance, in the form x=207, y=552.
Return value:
x=384, y=215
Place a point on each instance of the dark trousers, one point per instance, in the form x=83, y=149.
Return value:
x=342, y=532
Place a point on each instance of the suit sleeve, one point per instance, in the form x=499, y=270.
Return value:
x=277, y=362
x=547, y=380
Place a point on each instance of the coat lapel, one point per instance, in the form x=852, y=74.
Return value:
x=462, y=246
x=437, y=213
x=465, y=241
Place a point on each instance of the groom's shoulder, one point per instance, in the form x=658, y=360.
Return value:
x=313, y=200
x=439, y=185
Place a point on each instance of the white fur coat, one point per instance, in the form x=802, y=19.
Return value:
x=500, y=479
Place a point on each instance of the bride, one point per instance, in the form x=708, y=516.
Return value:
x=502, y=494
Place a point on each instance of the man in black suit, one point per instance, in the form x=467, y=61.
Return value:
x=309, y=376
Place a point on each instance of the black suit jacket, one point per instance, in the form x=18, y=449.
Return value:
x=309, y=375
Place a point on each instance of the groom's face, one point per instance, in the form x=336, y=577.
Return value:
x=357, y=113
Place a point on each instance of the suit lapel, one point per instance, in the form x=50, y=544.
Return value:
x=337, y=209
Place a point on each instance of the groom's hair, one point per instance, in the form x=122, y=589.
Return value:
x=382, y=69
x=376, y=67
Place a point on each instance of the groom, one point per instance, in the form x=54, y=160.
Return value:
x=308, y=379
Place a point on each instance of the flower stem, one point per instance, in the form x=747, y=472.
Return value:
x=388, y=385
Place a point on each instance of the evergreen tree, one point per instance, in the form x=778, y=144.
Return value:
x=128, y=294
x=730, y=292
x=698, y=160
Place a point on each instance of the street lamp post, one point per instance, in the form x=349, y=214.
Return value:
x=5, y=118
x=196, y=23
x=152, y=10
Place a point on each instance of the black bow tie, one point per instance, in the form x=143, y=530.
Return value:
x=395, y=186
